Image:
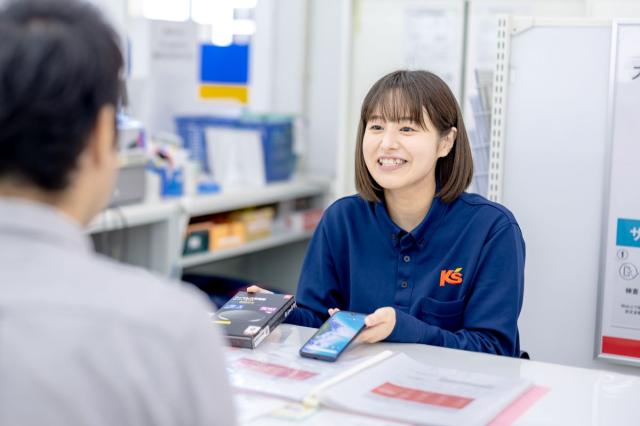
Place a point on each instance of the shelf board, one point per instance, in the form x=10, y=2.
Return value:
x=248, y=197
x=147, y=213
x=250, y=247
x=133, y=215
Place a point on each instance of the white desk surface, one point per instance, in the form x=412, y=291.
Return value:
x=576, y=396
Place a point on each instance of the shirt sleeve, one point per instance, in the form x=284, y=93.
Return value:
x=493, y=307
x=318, y=287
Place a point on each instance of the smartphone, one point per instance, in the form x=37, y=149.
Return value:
x=333, y=337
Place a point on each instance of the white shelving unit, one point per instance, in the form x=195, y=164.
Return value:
x=222, y=202
x=250, y=247
x=146, y=235
x=151, y=235
x=134, y=215
x=227, y=201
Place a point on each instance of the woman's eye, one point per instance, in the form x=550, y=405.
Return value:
x=407, y=129
x=375, y=127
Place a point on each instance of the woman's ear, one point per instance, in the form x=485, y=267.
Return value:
x=446, y=142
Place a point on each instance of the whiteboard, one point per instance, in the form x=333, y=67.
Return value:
x=480, y=58
x=619, y=320
x=552, y=176
x=482, y=30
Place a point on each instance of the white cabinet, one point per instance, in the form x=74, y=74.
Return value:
x=152, y=235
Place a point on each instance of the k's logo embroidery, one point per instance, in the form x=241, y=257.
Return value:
x=451, y=276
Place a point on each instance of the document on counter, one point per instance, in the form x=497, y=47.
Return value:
x=269, y=411
x=388, y=387
x=400, y=388
x=278, y=370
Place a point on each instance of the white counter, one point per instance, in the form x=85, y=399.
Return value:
x=576, y=396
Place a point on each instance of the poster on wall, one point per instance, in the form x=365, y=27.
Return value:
x=619, y=331
x=224, y=72
x=433, y=40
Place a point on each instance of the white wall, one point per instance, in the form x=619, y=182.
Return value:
x=277, y=62
x=165, y=76
x=613, y=8
x=327, y=80
x=289, y=56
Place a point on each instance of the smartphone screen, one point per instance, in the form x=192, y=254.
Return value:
x=333, y=336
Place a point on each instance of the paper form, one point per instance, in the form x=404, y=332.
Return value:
x=258, y=410
x=277, y=369
x=433, y=40
x=236, y=157
x=402, y=389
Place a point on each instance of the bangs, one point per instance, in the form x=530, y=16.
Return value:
x=394, y=102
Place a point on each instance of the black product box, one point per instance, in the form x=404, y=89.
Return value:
x=249, y=317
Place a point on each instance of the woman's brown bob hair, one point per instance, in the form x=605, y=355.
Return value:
x=406, y=94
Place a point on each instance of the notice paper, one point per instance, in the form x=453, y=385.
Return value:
x=400, y=388
x=277, y=369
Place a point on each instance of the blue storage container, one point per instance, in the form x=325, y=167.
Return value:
x=276, y=135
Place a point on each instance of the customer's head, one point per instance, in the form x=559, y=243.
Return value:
x=60, y=68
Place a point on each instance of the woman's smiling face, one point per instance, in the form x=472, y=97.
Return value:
x=401, y=153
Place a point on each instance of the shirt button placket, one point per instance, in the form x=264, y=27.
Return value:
x=404, y=269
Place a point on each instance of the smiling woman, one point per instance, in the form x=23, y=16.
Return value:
x=427, y=261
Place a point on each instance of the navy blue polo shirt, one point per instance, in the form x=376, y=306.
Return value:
x=456, y=280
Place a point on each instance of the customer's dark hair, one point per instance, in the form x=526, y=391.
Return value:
x=60, y=62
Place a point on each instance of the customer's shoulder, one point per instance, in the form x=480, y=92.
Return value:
x=138, y=295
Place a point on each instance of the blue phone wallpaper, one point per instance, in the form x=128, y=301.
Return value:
x=335, y=334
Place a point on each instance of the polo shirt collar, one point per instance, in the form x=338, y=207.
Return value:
x=38, y=221
x=398, y=236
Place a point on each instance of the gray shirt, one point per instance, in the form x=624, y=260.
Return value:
x=87, y=341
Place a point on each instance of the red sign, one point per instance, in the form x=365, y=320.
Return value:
x=620, y=346
x=275, y=370
x=416, y=395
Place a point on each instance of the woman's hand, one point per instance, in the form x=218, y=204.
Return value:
x=256, y=289
x=379, y=324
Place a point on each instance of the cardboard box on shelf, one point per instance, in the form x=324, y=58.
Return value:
x=258, y=222
x=197, y=238
x=305, y=220
x=227, y=234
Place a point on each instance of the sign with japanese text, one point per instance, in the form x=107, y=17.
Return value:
x=619, y=337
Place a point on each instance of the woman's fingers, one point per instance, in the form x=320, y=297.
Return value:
x=256, y=289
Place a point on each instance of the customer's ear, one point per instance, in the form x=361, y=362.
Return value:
x=102, y=142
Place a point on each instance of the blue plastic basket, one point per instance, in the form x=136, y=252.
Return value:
x=276, y=135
